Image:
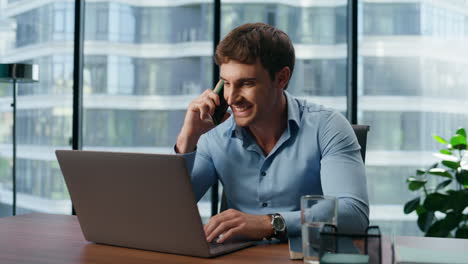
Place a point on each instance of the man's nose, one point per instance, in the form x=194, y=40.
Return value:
x=230, y=95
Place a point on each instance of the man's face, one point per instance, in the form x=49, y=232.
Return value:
x=250, y=92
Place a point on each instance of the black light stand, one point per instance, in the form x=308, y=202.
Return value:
x=17, y=73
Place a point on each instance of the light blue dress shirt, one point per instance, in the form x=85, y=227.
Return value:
x=318, y=153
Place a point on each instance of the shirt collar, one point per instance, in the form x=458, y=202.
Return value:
x=293, y=117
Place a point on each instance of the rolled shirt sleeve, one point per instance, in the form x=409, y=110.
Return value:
x=201, y=168
x=343, y=174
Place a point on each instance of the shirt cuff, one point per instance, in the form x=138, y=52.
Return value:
x=189, y=158
x=293, y=222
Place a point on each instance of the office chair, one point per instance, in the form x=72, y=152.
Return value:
x=361, y=134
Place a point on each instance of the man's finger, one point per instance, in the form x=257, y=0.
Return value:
x=230, y=233
x=221, y=228
x=204, y=110
x=209, y=226
x=210, y=105
x=219, y=218
x=214, y=97
x=213, y=223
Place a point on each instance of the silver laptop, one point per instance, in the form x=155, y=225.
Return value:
x=142, y=201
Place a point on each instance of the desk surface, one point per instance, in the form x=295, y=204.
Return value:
x=44, y=238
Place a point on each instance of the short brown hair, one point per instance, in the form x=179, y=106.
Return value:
x=250, y=42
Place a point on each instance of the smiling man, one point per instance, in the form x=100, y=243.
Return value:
x=274, y=148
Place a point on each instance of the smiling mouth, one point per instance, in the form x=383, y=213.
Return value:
x=240, y=109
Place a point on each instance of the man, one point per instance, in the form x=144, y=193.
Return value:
x=274, y=149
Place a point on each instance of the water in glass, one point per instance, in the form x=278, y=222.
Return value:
x=311, y=241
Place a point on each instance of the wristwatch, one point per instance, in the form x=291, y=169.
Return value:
x=279, y=226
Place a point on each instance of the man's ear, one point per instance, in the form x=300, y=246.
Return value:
x=282, y=77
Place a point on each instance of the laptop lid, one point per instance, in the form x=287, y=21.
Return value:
x=134, y=200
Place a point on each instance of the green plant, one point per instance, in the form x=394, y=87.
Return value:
x=443, y=191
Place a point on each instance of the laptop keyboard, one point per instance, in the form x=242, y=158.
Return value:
x=215, y=244
x=228, y=246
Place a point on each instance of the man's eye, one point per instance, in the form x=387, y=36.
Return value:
x=248, y=84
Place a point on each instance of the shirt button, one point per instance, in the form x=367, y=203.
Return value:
x=263, y=173
x=264, y=204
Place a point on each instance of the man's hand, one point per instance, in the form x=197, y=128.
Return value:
x=197, y=120
x=232, y=223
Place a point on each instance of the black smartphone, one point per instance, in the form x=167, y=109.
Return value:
x=220, y=110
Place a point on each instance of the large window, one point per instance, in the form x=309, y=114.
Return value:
x=144, y=62
x=413, y=69
x=391, y=18
x=42, y=35
x=318, y=32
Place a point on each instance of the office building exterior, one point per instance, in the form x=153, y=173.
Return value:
x=145, y=60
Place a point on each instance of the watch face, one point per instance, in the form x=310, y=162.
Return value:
x=278, y=224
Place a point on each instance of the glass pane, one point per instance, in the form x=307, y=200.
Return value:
x=41, y=34
x=318, y=31
x=412, y=84
x=144, y=62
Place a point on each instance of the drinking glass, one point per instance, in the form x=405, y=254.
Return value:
x=316, y=211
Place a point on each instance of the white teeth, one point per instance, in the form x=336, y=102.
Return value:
x=240, y=109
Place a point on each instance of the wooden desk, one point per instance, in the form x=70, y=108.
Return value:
x=46, y=238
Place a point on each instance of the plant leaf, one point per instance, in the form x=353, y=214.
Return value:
x=425, y=220
x=441, y=140
x=458, y=142
x=452, y=220
x=415, y=183
x=461, y=131
x=457, y=200
x=443, y=184
x=411, y=205
x=440, y=172
x=446, y=152
x=462, y=177
x=438, y=229
x=420, y=172
x=420, y=210
x=462, y=232
x=436, y=202
x=451, y=164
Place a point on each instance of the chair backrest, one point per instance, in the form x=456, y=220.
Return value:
x=361, y=134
